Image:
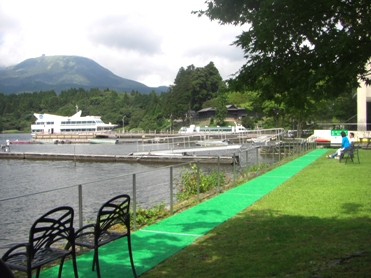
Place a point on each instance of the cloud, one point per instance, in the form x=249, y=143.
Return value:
x=146, y=41
x=125, y=33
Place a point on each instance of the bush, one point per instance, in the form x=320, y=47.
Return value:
x=188, y=183
x=149, y=216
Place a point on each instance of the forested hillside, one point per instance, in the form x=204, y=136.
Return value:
x=194, y=88
x=151, y=111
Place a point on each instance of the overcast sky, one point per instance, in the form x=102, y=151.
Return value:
x=143, y=40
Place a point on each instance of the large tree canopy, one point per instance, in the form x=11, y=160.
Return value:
x=192, y=87
x=299, y=47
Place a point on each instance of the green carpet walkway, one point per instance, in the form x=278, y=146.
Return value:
x=153, y=244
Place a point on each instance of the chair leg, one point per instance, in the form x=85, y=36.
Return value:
x=93, y=264
x=37, y=272
x=29, y=273
x=131, y=256
x=75, y=265
x=61, y=267
x=96, y=260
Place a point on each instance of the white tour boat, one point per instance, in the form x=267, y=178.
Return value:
x=54, y=124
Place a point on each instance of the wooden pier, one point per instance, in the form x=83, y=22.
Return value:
x=170, y=159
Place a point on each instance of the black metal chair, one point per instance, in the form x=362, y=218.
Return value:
x=51, y=238
x=114, y=212
x=5, y=271
x=350, y=152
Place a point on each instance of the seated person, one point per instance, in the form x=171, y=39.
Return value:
x=351, y=141
x=351, y=138
x=344, y=144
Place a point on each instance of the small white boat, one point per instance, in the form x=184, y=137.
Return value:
x=208, y=143
x=103, y=141
x=261, y=139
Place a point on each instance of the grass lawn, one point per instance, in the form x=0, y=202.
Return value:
x=317, y=224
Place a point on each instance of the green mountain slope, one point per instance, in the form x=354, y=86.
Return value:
x=62, y=73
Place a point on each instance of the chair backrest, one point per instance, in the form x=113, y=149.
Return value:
x=53, y=228
x=113, y=212
x=352, y=144
x=348, y=150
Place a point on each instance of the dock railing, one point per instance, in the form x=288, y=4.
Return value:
x=147, y=189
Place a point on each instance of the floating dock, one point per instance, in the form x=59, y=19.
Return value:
x=148, y=158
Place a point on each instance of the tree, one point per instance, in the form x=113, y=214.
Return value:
x=246, y=99
x=179, y=97
x=192, y=87
x=273, y=110
x=205, y=85
x=294, y=48
x=221, y=111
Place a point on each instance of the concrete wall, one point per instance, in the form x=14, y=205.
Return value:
x=363, y=96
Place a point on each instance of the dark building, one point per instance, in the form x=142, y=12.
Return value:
x=234, y=113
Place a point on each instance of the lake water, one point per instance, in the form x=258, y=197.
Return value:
x=100, y=181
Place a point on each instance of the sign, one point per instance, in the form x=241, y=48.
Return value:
x=336, y=136
x=336, y=132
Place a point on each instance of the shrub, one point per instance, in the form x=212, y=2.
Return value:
x=149, y=216
x=187, y=184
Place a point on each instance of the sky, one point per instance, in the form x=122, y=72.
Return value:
x=143, y=40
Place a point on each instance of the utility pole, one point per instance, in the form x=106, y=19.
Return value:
x=123, y=124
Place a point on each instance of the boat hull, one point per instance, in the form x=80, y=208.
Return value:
x=103, y=141
x=209, y=143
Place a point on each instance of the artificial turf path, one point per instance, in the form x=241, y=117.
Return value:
x=153, y=244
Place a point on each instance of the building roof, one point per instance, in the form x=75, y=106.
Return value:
x=229, y=107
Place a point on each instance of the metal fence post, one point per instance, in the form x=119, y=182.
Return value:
x=171, y=189
x=134, y=201
x=263, y=154
x=80, y=205
x=257, y=161
x=218, y=174
x=295, y=149
x=284, y=150
x=198, y=181
x=247, y=165
x=234, y=169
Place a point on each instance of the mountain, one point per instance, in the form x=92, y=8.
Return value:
x=60, y=73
